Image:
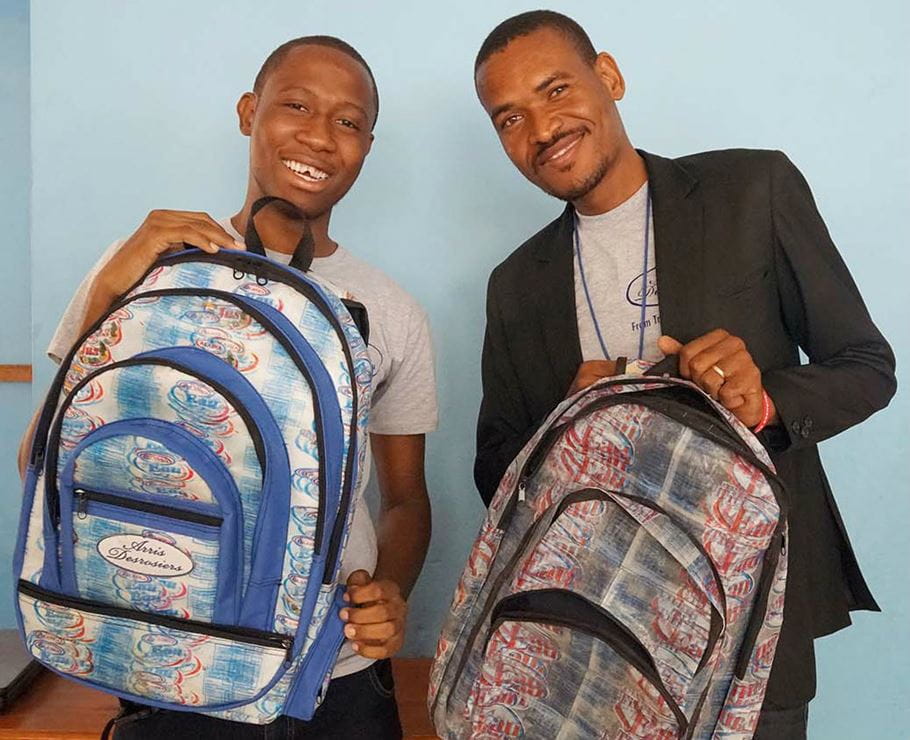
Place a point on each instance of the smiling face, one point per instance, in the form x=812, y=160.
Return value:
x=309, y=128
x=555, y=113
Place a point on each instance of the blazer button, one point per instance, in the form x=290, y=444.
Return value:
x=807, y=422
x=796, y=427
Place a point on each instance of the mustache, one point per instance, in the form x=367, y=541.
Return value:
x=555, y=139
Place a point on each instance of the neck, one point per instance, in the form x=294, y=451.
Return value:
x=319, y=225
x=626, y=174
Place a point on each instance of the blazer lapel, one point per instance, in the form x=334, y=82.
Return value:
x=553, y=296
x=678, y=235
x=678, y=213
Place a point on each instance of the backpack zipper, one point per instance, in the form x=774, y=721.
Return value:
x=83, y=496
x=259, y=265
x=716, y=630
x=226, y=632
x=264, y=268
x=705, y=424
x=50, y=472
x=567, y=609
x=52, y=458
x=549, y=518
x=776, y=549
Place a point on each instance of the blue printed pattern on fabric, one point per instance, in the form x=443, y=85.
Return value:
x=323, y=339
x=585, y=550
x=34, y=544
x=276, y=697
x=320, y=335
x=262, y=360
x=146, y=466
x=174, y=666
x=146, y=660
x=140, y=465
x=104, y=571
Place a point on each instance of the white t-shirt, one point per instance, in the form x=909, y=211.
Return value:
x=613, y=258
x=404, y=378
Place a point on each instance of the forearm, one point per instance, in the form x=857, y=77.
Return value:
x=403, y=538
x=25, y=445
x=850, y=374
x=99, y=299
x=817, y=401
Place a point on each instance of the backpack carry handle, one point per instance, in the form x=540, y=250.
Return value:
x=667, y=366
x=303, y=252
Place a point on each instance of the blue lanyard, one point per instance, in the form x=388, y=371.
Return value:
x=644, y=284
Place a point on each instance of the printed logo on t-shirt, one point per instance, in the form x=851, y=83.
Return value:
x=376, y=359
x=636, y=290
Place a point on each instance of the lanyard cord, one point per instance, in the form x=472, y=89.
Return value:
x=644, y=277
x=644, y=287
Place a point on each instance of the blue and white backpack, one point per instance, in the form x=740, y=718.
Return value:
x=191, y=485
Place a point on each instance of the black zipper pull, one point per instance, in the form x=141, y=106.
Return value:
x=38, y=454
x=81, y=503
x=288, y=644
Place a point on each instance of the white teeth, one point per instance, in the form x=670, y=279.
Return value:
x=306, y=171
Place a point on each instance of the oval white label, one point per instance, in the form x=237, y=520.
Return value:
x=144, y=555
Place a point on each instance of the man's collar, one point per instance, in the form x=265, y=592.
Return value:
x=668, y=182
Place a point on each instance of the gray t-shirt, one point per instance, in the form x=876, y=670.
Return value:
x=404, y=378
x=613, y=258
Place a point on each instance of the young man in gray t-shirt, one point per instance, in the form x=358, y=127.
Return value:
x=310, y=119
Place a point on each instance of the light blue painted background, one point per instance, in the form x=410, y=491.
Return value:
x=15, y=340
x=132, y=109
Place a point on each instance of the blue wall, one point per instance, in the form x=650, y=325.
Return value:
x=132, y=109
x=15, y=339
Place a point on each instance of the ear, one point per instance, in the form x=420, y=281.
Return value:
x=370, y=143
x=608, y=71
x=246, y=109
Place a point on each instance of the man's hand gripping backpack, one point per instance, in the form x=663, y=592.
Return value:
x=190, y=489
x=628, y=581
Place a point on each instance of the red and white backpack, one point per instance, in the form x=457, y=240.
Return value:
x=628, y=581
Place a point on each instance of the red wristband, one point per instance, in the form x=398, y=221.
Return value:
x=765, y=412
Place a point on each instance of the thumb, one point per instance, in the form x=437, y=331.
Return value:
x=669, y=345
x=359, y=578
x=600, y=367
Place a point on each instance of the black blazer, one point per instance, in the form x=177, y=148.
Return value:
x=739, y=245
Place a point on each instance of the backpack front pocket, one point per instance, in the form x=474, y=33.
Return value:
x=152, y=553
x=556, y=665
x=623, y=586
x=151, y=657
x=632, y=558
x=146, y=556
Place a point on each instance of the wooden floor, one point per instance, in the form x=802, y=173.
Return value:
x=56, y=709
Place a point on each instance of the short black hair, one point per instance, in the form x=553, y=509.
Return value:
x=278, y=55
x=526, y=23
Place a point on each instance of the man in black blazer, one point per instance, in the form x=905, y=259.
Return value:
x=746, y=275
